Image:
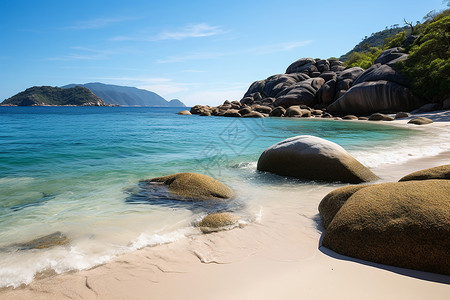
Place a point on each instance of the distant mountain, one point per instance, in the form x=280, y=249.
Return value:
x=176, y=103
x=47, y=95
x=125, y=96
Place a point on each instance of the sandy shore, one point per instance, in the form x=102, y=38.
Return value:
x=277, y=257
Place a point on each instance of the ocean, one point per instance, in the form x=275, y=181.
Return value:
x=76, y=170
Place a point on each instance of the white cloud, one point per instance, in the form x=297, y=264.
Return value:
x=267, y=49
x=96, y=23
x=188, y=31
x=83, y=53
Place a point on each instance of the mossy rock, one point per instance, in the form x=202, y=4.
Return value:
x=333, y=201
x=54, y=239
x=218, y=222
x=441, y=172
x=403, y=224
x=194, y=186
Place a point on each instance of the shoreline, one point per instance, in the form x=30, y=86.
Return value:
x=279, y=257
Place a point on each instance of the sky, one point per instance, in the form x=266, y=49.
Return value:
x=201, y=52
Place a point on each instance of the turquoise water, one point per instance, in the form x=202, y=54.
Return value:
x=76, y=170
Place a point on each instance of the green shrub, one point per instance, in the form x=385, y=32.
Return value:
x=363, y=59
x=428, y=65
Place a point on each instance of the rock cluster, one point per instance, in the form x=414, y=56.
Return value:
x=405, y=224
x=324, y=87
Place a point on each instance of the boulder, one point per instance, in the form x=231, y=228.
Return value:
x=303, y=65
x=232, y=113
x=363, y=118
x=197, y=109
x=388, y=118
x=350, y=117
x=205, y=113
x=402, y=115
x=403, y=224
x=373, y=96
x=184, y=112
x=333, y=201
x=54, y=239
x=441, y=172
x=253, y=114
x=420, y=121
x=381, y=72
x=247, y=100
x=327, y=92
x=263, y=109
x=278, y=111
x=303, y=92
x=268, y=100
x=310, y=157
x=322, y=65
x=427, y=108
x=245, y=110
x=389, y=55
x=350, y=73
x=293, y=111
x=328, y=75
x=218, y=221
x=257, y=86
x=376, y=117
x=192, y=186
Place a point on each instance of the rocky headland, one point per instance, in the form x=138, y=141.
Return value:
x=322, y=88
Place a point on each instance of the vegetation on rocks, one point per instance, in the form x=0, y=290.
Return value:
x=428, y=45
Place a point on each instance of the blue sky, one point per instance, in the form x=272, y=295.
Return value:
x=201, y=52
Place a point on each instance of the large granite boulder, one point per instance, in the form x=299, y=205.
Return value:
x=441, y=172
x=327, y=91
x=303, y=65
x=301, y=93
x=328, y=75
x=379, y=88
x=333, y=201
x=374, y=96
x=192, y=186
x=310, y=157
x=381, y=72
x=404, y=224
x=218, y=222
x=390, y=55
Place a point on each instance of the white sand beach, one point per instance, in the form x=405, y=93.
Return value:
x=276, y=257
